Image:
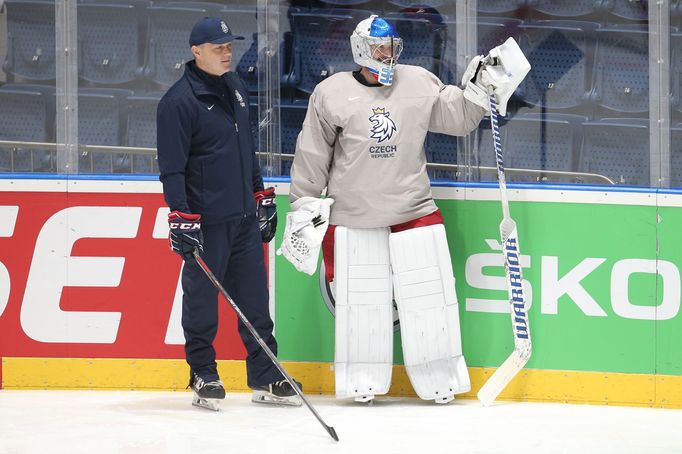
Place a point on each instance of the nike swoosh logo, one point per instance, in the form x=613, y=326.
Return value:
x=354, y=98
x=211, y=106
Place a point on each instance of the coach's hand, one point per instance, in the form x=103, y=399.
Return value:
x=185, y=234
x=266, y=213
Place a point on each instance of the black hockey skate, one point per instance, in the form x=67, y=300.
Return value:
x=206, y=394
x=278, y=393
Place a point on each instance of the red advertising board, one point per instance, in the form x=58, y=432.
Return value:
x=90, y=275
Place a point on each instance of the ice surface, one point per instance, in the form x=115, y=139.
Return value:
x=166, y=422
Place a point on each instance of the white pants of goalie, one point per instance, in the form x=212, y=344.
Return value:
x=369, y=266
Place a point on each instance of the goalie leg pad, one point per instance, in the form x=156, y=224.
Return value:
x=429, y=314
x=364, y=313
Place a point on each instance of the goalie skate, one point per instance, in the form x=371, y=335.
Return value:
x=206, y=394
x=278, y=393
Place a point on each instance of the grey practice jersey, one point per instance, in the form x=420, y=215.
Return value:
x=366, y=145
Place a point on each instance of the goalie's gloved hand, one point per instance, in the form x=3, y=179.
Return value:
x=500, y=72
x=474, y=86
x=184, y=234
x=266, y=212
x=305, y=227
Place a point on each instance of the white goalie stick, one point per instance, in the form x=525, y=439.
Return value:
x=512, y=269
x=209, y=274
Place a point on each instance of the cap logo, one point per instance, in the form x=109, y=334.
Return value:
x=224, y=27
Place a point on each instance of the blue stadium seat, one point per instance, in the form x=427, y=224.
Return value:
x=499, y=6
x=574, y=8
x=618, y=149
x=322, y=45
x=441, y=149
x=484, y=153
x=530, y=141
x=253, y=119
x=242, y=20
x=30, y=39
x=543, y=142
x=493, y=31
x=448, y=72
x=291, y=123
x=676, y=70
x=344, y=3
x=676, y=13
x=27, y=113
x=413, y=3
x=99, y=123
x=109, y=41
x=423, y=37
x=559, y=53
x=621, y=76
x=168, y=47
x=141, y=130
x=676, y=156
x=636, y=10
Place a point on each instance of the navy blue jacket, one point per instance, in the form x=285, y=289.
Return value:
x=205, y=149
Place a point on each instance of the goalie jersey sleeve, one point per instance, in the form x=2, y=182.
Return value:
x=366, y=145
x=314, y=152
x=452, y=114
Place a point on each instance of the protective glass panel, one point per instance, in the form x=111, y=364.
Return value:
x=592, y=110
x=27, y=86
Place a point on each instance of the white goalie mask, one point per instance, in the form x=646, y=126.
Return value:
x=377, y=46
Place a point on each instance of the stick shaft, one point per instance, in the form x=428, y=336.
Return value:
x=260, y=341
x=514, y=277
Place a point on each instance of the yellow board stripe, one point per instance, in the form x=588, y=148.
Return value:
x=318, y=378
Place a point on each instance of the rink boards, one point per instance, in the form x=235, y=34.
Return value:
x=89, y=293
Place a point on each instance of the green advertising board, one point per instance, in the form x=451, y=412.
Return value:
x=602, y=272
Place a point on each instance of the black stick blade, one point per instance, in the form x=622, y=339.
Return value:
x=332, y=432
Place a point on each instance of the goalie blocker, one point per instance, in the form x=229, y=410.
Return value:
x=424, y=287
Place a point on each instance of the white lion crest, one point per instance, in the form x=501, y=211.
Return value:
x=382, y=126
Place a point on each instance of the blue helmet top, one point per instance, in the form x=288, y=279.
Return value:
x=381, y=28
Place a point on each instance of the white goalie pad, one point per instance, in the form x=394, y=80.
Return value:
x=424, y=289
x=305, y=227
x=364, y=313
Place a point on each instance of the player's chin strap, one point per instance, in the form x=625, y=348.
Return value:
x=305, y=228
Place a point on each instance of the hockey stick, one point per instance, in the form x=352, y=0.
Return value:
x=512, y=270
x=330, y=430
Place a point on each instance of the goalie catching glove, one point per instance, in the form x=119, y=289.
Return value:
x=304, y=231
x=184, y=234
x=502, y=71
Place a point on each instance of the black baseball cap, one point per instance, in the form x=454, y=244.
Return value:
x=212, y=30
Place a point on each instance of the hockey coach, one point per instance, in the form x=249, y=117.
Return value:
x=218, y=205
